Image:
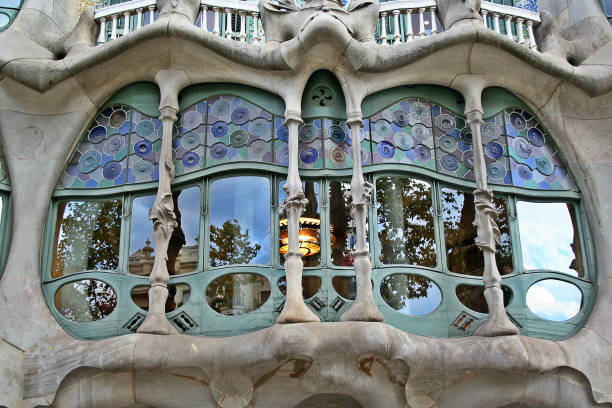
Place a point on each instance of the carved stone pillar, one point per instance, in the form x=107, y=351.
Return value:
x=162, y=214
x=295, y=310
x=363, y=308
x=498, y=323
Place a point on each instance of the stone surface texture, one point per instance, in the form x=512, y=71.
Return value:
x=48, y=98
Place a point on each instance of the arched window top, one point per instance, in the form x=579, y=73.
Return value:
x=8, y=12
x=426, y=129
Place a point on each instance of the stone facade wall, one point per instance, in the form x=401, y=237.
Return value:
x=50, y=88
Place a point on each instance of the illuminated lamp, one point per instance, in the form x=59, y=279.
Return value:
x=308, y=236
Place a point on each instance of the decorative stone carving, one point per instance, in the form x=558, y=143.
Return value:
x=282, y=20
x=82, y=36
x=162, y=214
x=363, y=308
x=453, y=11
x=294, y=310
x=187, y=8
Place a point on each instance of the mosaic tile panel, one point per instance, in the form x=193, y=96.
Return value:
x=402, y=133
x=310, y=144
x=237, y=131
x=338, y=144
x=145, y=148
x=534, y=160
x=101, y=158
x=188, y=146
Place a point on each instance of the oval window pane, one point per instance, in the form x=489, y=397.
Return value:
x=86, y=237
x=555, y=300
x=345, y=286
x=178, y=295
x=240, y=221
x=86, y=300
x=549, y=237
x=310, y=286
x=237, y=293
x=473, y=297
x=411, y=294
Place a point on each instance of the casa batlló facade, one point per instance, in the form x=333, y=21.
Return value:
x=220, y=203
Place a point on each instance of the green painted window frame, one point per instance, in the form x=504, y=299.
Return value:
x=437, y=324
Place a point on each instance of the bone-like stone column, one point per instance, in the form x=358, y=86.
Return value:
x=162, y=214
x=363, y=308
x=295, y=310
x=498, y=323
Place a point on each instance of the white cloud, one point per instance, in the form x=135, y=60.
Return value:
x=552, y=304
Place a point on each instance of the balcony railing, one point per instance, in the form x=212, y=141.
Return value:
x=399, y=21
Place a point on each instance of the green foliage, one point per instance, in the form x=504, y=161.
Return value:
x=88, y=236
x=405, y=221
x=230, y=246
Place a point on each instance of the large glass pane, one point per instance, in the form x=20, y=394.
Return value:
x=86, y=300
x=10, y=3
x=549, y=237
x=310, y=225
x=405, y=221
x=238, y=293
x=184, y=242
x=462, y=254
x=342, y=227
x=410, y=294
x=240, y=221
x=87, y=236
x=555, y=300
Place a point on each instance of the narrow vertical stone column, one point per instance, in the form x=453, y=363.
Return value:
x=496, y=23
x=396, y=29
x=484, y=17
x=498, y=323
x=508, y=19
x=138, y=19
x=532, y=41
x=409, y=30
x=255, y=39
x=151, y=14
x=519, y=30
x=422, y=32
x=203, y=18
x=113, y=35
x=434, y=24
x=295, y=310
x=383, y=27
x=216, y=29
x=242, y=35
x=102, y=36
x=228, y=23
x=126, y=22
x=363, y=308
x=162, y=214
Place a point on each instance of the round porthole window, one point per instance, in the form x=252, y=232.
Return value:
x=554, y=299
x=4, y=20
x=85, y=300
x=411, y=294
x=237, y=293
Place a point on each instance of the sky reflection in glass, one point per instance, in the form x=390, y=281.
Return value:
x=548, y=239
x=240, y=206
x=555, y=300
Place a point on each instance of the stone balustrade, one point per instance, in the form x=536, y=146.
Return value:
x=399, y=21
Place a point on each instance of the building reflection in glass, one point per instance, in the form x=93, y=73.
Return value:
x=411, y=294
x=342, y=227
x=237, y=293
x=183, y=248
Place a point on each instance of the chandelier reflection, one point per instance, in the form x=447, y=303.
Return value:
x=308, y=238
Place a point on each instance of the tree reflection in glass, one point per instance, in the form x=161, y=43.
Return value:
x=342, y=227
x=85, y=300
x=405, y=221
x=183, y=251
x=240, y=221
x=310, y=225
x=310, y=286
x=549, y=237
x=237, y=293
x=410, y=294
x=87, y=237
x=462, y=254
